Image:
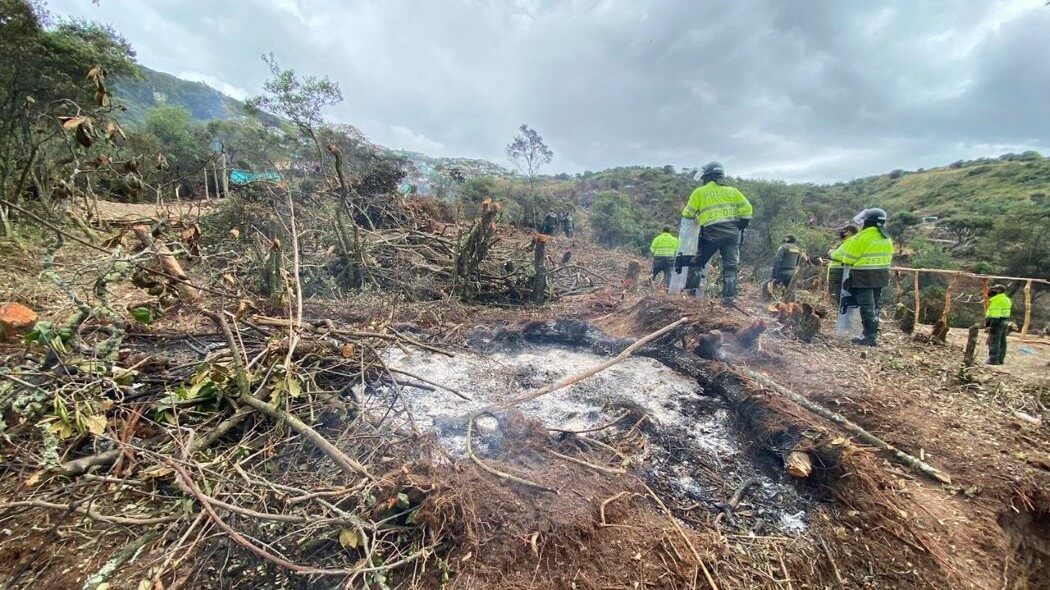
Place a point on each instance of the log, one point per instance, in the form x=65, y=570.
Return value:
x=849, y=426
x=168, y=262
x=971, y=345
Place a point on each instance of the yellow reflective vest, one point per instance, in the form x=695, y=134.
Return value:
x=714, y=203
x=868, y=256
x=664, y=244
x=999, y=306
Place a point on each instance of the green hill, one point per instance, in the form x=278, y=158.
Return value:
x=992, y=214
x=148, y=89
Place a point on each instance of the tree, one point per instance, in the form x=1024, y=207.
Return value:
x=614, y=220
x=175, y=131
x=300, y=100
x=966, y=229
x=42, y=77
x=529, y=153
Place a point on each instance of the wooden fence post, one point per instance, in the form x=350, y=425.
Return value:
x=984, y=292
x=1027, y=308
x=918, y=299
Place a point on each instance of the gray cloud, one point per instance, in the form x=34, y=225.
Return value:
x=819, y=90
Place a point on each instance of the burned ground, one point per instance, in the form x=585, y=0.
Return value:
x=442, y=519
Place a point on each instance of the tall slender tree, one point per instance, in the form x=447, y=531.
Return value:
x=529, y=153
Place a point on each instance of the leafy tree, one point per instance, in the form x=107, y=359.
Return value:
x=615, y=220
x=300, y=100
x=966, y=229
x=177, y=135
x=42, y=77
x=529, y=153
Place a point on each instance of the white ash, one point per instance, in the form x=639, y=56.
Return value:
x=637, y=383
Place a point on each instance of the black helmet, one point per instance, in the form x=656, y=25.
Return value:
x=789, y=239
x=997, y=289
x=713, y=169
x=871, y=216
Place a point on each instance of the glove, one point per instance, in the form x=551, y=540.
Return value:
x=742, y=223
x=987, y=322
x=681, y=261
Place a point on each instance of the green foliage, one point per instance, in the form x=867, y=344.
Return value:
x=177, y=135
x=927, y=254
x=42, y=76
x=615, y=221
x=147, y=89
x=301, y=100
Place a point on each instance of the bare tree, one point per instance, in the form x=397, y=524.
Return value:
x=529, y=153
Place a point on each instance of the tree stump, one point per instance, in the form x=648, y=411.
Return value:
x=971, y=344
x=539, y=278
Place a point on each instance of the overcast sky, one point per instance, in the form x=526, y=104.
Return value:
x=818, y=90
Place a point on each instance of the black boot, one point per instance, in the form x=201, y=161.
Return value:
x=866, y=341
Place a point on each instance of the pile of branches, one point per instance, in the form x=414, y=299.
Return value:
x=258, y=438
x=422, y=254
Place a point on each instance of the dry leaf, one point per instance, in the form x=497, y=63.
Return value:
x=96, y=424
x=235, y=233
x=114, y=130
x=349, y=538
x=347, y=351
x=71, y=123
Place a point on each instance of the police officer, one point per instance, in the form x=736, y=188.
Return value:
x=663, y=248
x=835, y=267
x=786, y=261
x=722, y=213
x=568, y=224
x=550, y=223
x=997, y=320
x=866, y=260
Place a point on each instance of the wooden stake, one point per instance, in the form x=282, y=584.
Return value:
x=948, y=300
x=207, y=196
x=918, y=299
x=225, y=178
x=1027, y=308
x=984, y=293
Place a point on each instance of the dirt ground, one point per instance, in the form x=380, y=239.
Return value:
x=877, y=523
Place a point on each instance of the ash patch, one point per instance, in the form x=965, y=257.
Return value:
x=681, y=440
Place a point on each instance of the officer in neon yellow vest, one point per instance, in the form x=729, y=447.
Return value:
x=663, y=248
x=835, y=267
x=866, y=259
x=997, y=320
x=723, y=213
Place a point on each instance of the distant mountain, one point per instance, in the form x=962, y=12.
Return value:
x=151, y=89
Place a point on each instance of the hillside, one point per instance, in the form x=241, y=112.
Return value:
x=990, y=213
x=148, y=89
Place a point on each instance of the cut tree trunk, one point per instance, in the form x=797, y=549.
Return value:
x=539, y=279
x=971, y=344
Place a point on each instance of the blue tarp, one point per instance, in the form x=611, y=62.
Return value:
x=245, y=177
